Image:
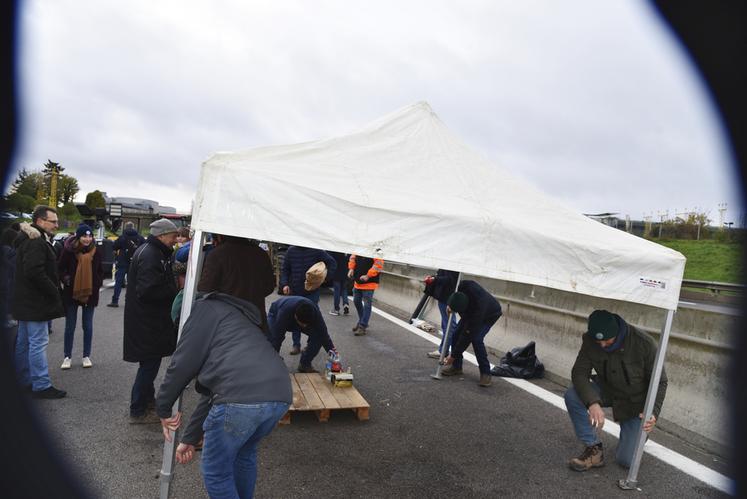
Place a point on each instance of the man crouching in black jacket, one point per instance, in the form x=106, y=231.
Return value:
x=245, y=386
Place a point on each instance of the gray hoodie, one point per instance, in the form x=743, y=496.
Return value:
x=222, y=344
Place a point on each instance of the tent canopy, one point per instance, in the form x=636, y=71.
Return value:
x=408, y=190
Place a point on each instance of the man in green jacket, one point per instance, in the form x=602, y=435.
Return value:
x=623, y=359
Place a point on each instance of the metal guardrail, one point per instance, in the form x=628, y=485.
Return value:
x=714, y=287
x=540, y=306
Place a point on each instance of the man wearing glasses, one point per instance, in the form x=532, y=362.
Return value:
x=37, y=300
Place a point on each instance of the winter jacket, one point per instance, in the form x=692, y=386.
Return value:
x=362, y=265
x=240, y=268
x=149, y=333
x=129, y=238
x=295, y=264
x=282, y=318
x=341, y=272
x=482, y=308
x=182, y=254
x=443, y=285
x=37, y=287
x=68, y=265
x=623, y=374
x=223, y=346
x=7, y=278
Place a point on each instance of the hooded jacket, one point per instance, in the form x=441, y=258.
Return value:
x=68, y=265
x=128, y=237
x=36, y=294
x=443, y=285
x=623, y=374
x=223, y=345
x=149, y=333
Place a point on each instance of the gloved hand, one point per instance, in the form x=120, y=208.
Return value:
x=429, y=280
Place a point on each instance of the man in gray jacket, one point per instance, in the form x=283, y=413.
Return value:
x=245, y=386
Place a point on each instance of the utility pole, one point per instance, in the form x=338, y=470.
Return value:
x=663, y=215
x=721, y=215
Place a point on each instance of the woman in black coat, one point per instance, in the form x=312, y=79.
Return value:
x=82, y=274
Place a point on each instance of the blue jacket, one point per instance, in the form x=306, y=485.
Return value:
x=281, y=318
x=122, y=242
x=295, y=264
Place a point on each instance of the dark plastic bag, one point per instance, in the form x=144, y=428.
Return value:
x=520, y=362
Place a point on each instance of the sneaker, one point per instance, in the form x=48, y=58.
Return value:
x=334, y=312
x=435, y=354
x=148, y=418
x=295, y=350
x=306, y=369
x=360, y=331
x=65, y=363
x=49, y=393
x=591, y=457
x=451, y=371
x=115, y=305
x=87, y=362
x=486, y=379
x=345, y=310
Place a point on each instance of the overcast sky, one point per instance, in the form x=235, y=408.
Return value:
x=593, y=102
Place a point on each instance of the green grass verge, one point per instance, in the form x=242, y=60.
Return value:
x=709, y=260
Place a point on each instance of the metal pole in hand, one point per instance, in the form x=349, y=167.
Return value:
x=631, y=482
x=447, y=336
x=194, y=268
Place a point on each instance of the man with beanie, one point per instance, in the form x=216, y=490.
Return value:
x=125, y=247
x=297, y=260
x=478, y=310
x=149, y=334
x=296, y=313
x=36, y=301
x=623, y=358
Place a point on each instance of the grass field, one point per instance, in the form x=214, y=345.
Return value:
x=710, y=260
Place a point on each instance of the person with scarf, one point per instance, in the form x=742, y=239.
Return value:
x=82, y=274
x=622, y=356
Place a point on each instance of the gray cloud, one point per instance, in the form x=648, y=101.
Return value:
x=594, y=104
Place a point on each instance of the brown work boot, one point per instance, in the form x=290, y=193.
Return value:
x=591, y=457
x=451, y=371
x=295, y=350
x=361, y=331
x=486, y=380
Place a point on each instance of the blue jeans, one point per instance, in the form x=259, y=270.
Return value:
x=229, y=455
x=71, y=319
x=444, y=323
x=340, y=292
x=143, y=390
x=31, y=355
x=478, y=345
x=587, y=434
x=119, y=278
x=363, y=299
x=296, y=335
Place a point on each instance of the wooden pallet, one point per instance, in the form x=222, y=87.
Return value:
x=312, y=392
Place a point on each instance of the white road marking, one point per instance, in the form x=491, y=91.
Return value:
x=675, y=459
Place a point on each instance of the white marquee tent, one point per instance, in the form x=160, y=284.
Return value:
x=408, y=190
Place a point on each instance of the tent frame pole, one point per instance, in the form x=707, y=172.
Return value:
x=631, y=482
x=194, y=269
x=447, y=337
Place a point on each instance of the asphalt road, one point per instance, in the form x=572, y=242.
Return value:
x=449, y=438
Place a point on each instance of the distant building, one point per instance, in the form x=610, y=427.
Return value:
x=139, y=206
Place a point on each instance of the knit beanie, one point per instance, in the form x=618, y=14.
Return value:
x=458, y=302
x=602, y=325
x=162, y=226
x=83, y=230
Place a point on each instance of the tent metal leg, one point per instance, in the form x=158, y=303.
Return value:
x=447, y=337
x=631, y=482
x=194, y=268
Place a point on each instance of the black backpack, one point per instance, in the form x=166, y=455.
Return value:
x=129, y=249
